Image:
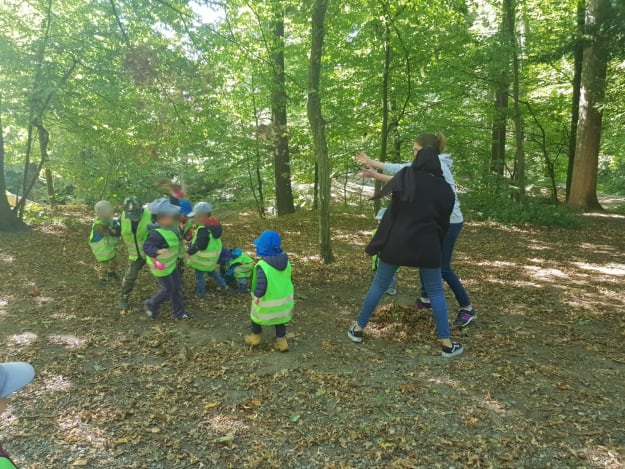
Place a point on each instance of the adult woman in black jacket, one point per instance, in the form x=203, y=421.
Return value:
x=410, y=234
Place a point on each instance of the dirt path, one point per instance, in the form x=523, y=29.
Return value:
x=541, y=384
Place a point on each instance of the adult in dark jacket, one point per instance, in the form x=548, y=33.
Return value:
x=411, y=234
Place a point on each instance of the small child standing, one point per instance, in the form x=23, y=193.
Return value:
x=161, y=248
x=236, y=268
x=185, y=227
x=272, y=291
x=103, y=240
x=392, y=288
x=203, y=254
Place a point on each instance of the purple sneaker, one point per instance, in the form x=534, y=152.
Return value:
x=464, y=318
x=420, y=304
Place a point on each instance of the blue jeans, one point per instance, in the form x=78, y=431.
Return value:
x=200, y=280
x=433, y=284
x=450, y=277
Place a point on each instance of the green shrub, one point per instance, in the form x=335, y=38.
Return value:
x=531, y=210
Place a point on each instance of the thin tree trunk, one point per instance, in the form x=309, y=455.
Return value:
x=281, y=158
x=317, y=126
x=386, y=72
x=502, y=91
x=519, y=135
x=316, y=188
x=594, y=69
x=578, y=54
x=50, y=186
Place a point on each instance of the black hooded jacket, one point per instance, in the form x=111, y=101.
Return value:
x=411, y=231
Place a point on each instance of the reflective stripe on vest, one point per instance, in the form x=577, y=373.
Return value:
x=206, y=261
x=276, y=306
x=141, y=235
x=105, y=249
x=170, y=258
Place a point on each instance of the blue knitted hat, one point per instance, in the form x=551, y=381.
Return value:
x=268, y=244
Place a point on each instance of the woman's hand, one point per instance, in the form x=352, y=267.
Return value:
x=369, y=173
x=362, y=158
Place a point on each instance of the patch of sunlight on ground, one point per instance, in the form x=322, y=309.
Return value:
x=77, y=429
x=48, y=383
x=604, y=215
x=539, y=246
x=314, y=258
x=600, y=457
x=598, y=248
x=496, y=264
x=24, y=339
x=68, y=341
x=4, y=302
x=608, y=269
x=514, y=283
x=224, y=424
x=63, y=316
x=539, y=273
x=43, y=300
x=6, y=258
x=493, y=404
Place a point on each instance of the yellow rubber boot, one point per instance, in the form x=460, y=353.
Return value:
x=281, y=345
x=253, y=339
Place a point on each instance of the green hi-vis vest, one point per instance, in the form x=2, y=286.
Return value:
x=374, y=259
x=206, y=260
x=5, y=461
x=135, y=241
x=243, y=266
x=276, y=306
x=183, y=232
x=105, y=249
x=170, y=258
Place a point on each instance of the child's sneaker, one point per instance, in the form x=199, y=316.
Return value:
x=281, y=345
x=199, y=296
x=123, y=305
x=114, y=276
x=392, y=291
x=184, y=315
x=464, y=318
x=149, y=311
x=253, y=339
x=420, y=304
x=354, y=335
x=104, y=281
x=453, y=351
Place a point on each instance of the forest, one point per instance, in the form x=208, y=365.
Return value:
x=260, y=107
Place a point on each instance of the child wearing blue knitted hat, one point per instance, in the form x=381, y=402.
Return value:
x=272, y=291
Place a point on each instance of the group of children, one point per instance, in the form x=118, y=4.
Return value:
x=170, y=235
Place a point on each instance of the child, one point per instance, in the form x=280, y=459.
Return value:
x=392, y=289
x=135, y=221
x=205, y=249
x=161, y=249
x=185, y=227
x=236, y=268
x=103, y=241
x=13, y=377
x=272, y=291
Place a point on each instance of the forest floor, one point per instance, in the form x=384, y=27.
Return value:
x=541, y=383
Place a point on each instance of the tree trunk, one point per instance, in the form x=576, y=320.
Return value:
x=519, y=136
x=281, y=161
x=8, y=218
x=386, y=72
x=317, y=126
x=578, y=54
x=316, y=188
x=50, y=186
x=502, y=91
x=583, y=192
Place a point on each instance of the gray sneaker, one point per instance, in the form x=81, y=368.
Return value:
x=123, y=304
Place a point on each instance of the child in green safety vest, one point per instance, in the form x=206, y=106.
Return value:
x=236, y=268
x=135, y=222
x=272, y=291
x=13, y=377
x=185, y=226
x=162, y=248
x=203, y=254
x=392, y=288
x=103, y=241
